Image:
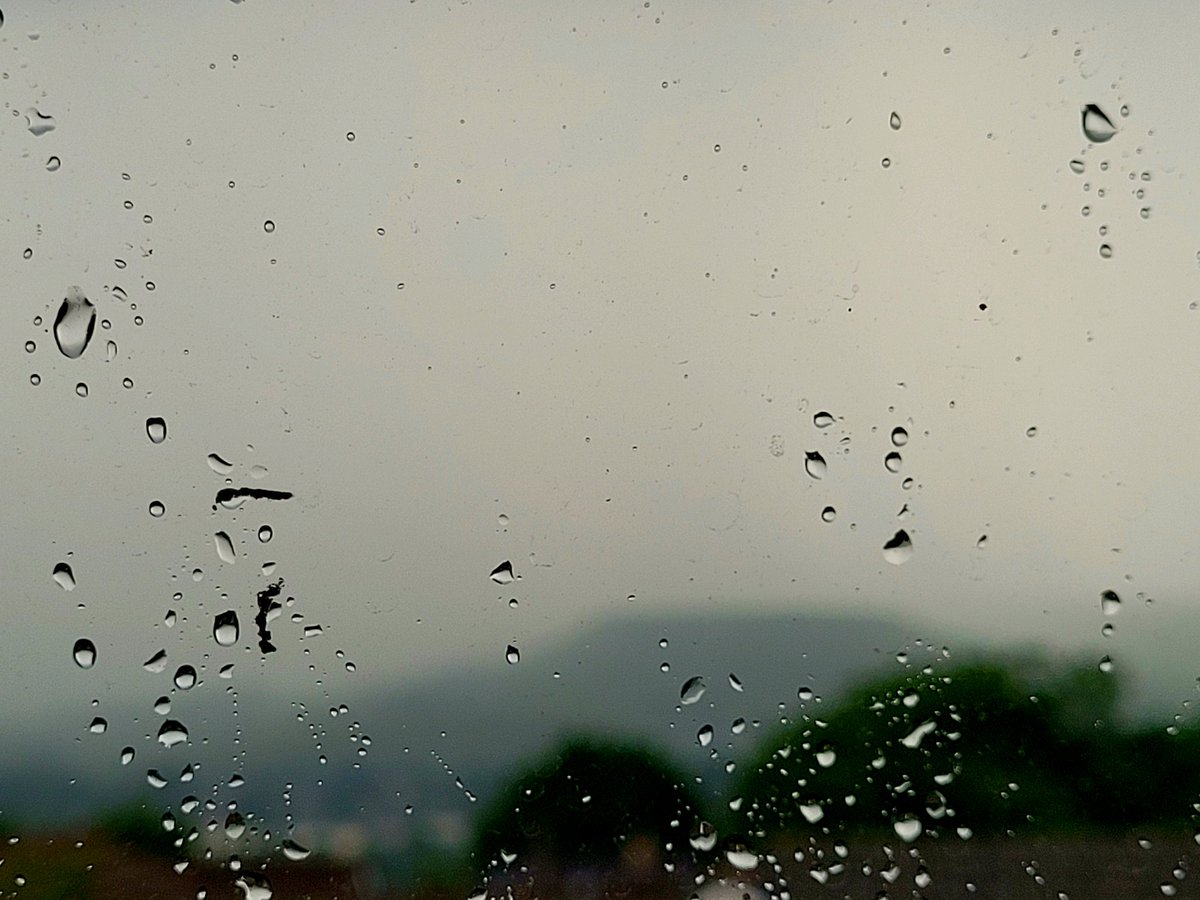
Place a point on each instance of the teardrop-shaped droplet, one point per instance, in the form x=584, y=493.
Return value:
x=74, y=323
x=823, y=419
x=84, y=653
x=185, y=678
x=63, y=576
x=814, y=464
x=1097, y=127
x=127, y=755
x=898, y=549
x=224, y=547
x=171, y=733
x=219, y=465
x=503, y=573
x=225, y=628
x=982, y=542
x=512, y=655
x=235, y=826
x=894, y=121
x=156, y=429
x=156, y=663
x=892, y=462
x=693, y=689
x=704, y=736
x=294, y=851
x=1110, y=603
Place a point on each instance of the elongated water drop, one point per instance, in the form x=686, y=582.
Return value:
x=155, y=780
x=254, y=886
x=693, y=689
x=63, y=576
x=84, y=653
x=908, y=830
x=225, y=628
x=814, y=464
x=512, y=655
x=74, y=323
x=823, y=419
x=156, y=663
x=1097, y=127
x=294, y=851
x=224, y=545
x=741, y=858
x=156, y=429
x=898, y=549
x=219, y=465
x=894, y=121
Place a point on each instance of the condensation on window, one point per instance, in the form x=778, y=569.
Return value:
x=643, y=450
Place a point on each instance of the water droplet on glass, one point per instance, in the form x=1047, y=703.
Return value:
x=156, y=429
x=898, y=549
x=81, y=389
x=224, y=547
x=53, y=164
x=704, y=838
x=1077, y=166
x=705, y=735
x=172, y=733
x=226, y=671
x=39, y=124
x=254, y=886
x=219, y=465
x=741, y=858
x=265, y=533
x=63, y=576
x=235, y=826
x=127, y=755
x=1106, y=665
x=1106, y=251
x=225, y=628
x=268, y=226
x=512, y=655
x=74, y=323
x=899, y=436
x=84, y=653
x=823, y=419
x=185, y=678
x=828, y=514
x=982, y=542
x=826, y=757
x=805, y=694
x=156, y=508
x=1097, y=127
x=908, y=830
x=1110, y=603
x=294, y=851
x=156, y=663
x=155, y=780
x=503, y=573
x=736, y=683
x=693, y=689
x=162, y=705
x=892, y=462
x=814, y=464
x=894, y=121
x=812, y=812
x=98, y=725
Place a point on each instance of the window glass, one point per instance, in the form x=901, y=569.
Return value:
x=628, y=449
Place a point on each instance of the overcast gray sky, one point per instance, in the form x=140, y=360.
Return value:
x=641, y=246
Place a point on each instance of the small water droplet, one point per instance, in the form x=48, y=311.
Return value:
x=1106, y=251
x=98, y=725
x=1106, y=664
x=53, y=164
x=268, y=226
x=704, y=838
x=805, y=694
x=265, y=533
x=224, y=547
x=81, y=389
x=908, y=830
x=156, y=663
x=886, y=162
x=899, y=436
x=156, y=429
x=1077, y=166
x=741, y=858
x=294, y=851
x=823, y=419
x=225, y=628
x=812, y=812
x=350, y=135
x=705, y=735
x=828, y=514
x=693, y=689
x=503, y=573
x=892, y=462
x=162, y=705
x=63, y=576
x=39, y=124
x=171, y=733
x=155, y=780
x=898, y=549
x=219, y=465
x=894, y=121
x=185, y=678
x=127, y=755
x=74, y=323
x=84, y=653
x=814, y=464
x=156, y=508
x=982, y=542
x=512, y=655
x=1110, y=603
x=1097, y=127
x=1031, y=431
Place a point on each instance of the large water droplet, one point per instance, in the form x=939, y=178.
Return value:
x=503, y=573
x=156, y=429
x=741, y=858
x=155, y=780
x=908, y=830
x=39, y=124
x=828, y=514
x=823, y=419
x=224, y=547
x=814, y=464
x=294, y=851
x=894, y=121
x=63, y=576
x=704, y=736
x=898, y=549
x=704, y=838
x=235, y=826
x=693, y=689
x=225, y=628
x=812, y=812
x=899, y=436
x=1110, y=603
x=892, y=462
x=84, y=653
x=74, y=323
x=265, y=534
x=99, y=725
x=172, y=733
x=826, y=757
x=185, y=678
x=254, y=886
x=1097, y=127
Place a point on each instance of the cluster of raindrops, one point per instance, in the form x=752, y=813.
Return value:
x=503, y=574
x=1099, y=128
